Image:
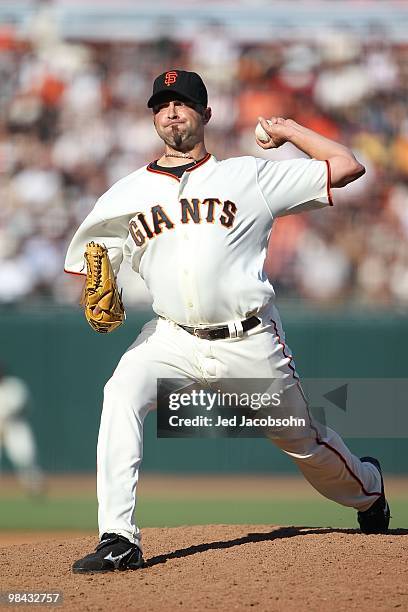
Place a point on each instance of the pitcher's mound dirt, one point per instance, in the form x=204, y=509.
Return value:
x=223, y=568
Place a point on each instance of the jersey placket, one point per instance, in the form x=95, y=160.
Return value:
x=187, y=248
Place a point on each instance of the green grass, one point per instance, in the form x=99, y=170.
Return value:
x=80, y=513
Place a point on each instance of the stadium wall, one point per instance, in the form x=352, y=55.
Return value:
x=66, y=365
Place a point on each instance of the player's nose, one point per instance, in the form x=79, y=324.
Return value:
x=172, y=110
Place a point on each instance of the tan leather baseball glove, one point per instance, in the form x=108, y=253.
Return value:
x=101, y=299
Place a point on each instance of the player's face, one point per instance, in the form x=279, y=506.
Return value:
x=179, y=124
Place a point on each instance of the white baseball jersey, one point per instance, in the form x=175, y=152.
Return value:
x=200, y=242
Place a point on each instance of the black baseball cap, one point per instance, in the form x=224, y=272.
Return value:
x=188, y=85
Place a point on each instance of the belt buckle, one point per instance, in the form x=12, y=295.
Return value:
x=203, y=334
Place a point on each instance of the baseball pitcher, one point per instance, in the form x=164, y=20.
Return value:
x=196, y=229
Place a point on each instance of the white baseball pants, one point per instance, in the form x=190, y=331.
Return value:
x=164, y=350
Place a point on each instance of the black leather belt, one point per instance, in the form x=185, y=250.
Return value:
x=218, y=333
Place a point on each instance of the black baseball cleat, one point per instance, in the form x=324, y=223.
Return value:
x=114, y=552
x=377, y=518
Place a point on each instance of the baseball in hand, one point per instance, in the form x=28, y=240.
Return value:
x=261, y=134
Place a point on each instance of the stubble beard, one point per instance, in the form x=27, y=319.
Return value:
x=177, y=137
x=180, y=141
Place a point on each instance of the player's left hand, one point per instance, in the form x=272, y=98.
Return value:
x=277, y=129
x=101, y=299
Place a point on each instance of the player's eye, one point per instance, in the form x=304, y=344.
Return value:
x=159, y=107
x=164, y=105
x=179, y=103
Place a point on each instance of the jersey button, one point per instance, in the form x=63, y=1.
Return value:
x=190, y=304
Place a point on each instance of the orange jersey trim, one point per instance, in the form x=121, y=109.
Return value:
x=284, y=348
x=149, y=169
x=329, y=194
x=75, y=273
x=200, y=163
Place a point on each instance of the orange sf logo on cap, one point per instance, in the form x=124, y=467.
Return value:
x=170, y=78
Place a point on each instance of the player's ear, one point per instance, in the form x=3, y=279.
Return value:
x=207, y=115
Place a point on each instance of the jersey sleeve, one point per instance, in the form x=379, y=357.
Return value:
x=295, y=185
x=102, y=227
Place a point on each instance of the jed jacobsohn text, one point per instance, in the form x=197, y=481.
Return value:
x=209, y=399
x=234, y=421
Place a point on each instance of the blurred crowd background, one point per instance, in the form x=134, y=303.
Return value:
x=73, y=120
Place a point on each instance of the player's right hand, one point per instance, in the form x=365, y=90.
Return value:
x=277, y=130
